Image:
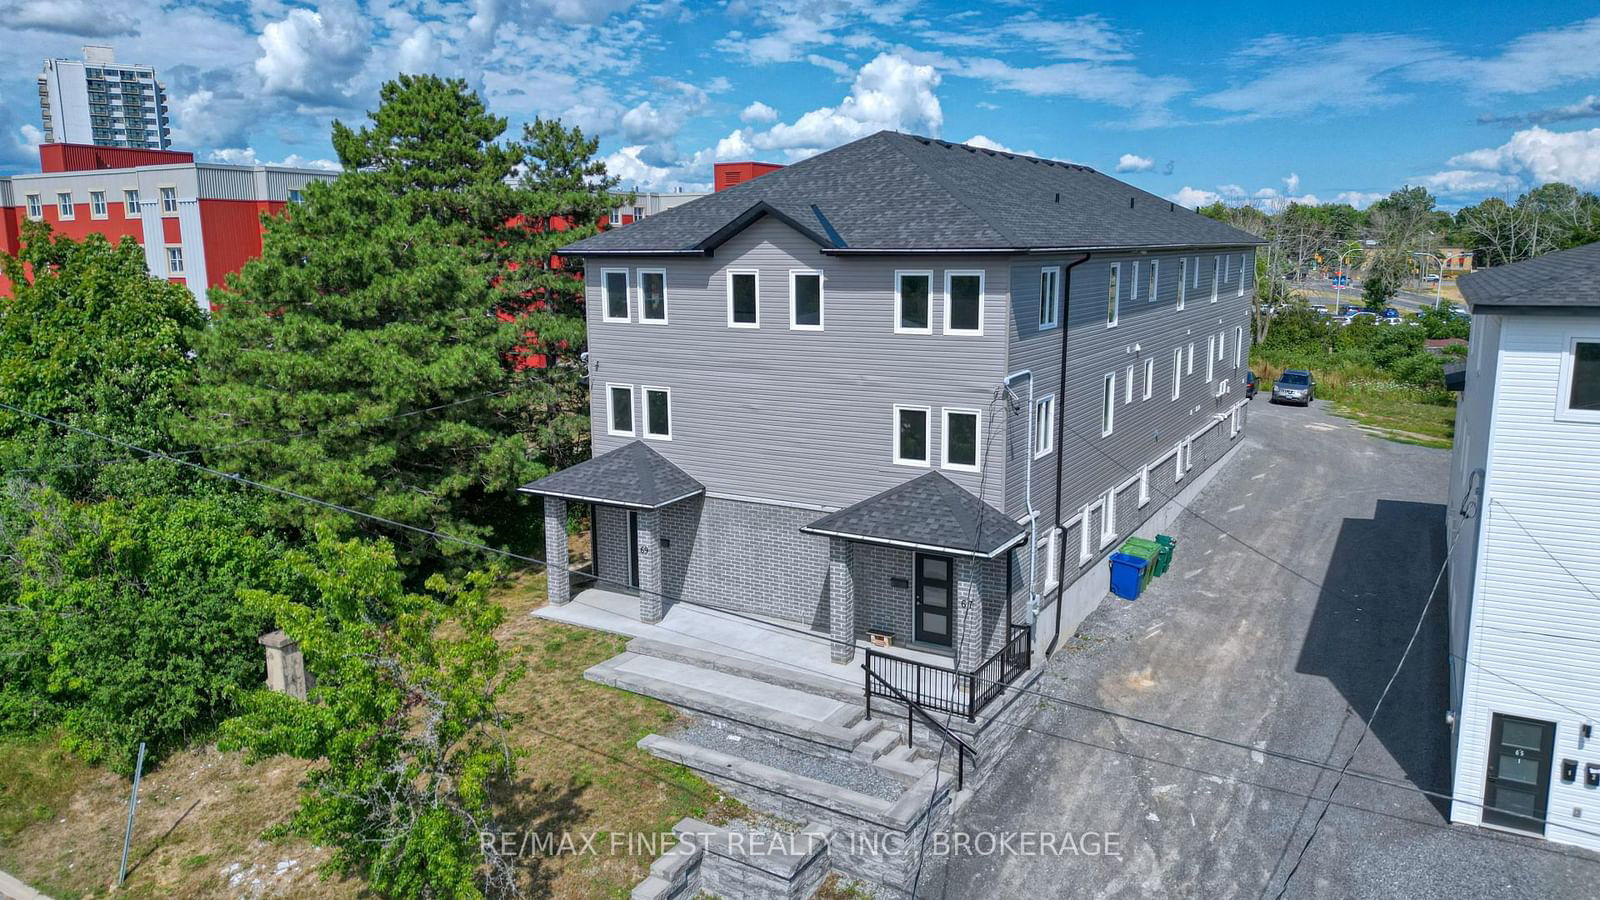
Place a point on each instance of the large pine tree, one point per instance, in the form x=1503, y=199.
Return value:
x=398, y=287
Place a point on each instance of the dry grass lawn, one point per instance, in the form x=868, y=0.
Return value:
x=202, y=813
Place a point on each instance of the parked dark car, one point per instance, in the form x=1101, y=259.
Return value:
x=1294, y=386
x=1249, y=384
x=1390, y=312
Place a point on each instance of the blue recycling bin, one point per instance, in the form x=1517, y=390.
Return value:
x=1127, y=575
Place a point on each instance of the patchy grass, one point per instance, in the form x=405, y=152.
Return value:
x=1395, y=411
x=202, y=813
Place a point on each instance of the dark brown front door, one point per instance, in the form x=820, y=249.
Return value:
x=933, y=599
x=1518, y=791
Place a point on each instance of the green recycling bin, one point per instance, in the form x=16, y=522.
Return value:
x=1168, y=545
x=1149, y=551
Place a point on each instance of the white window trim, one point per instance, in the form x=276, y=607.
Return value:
x=1211, y=358
x=1189, y=369
x=1227, y=267
x=644, y=413
x=1569, y=358
x=1127, y=387
x=1044, y=439
x=666, y=297
x=1133, y=282
x=130, y=205
x=1084, y=552
x=161, y=196
x=1108, y=405
x=182, y=263
x=1238, y=346
x=1177, y=373
x=105, y=207
x=632, y=412
x=1222, y=345
x=755, y=273
x=1149, y=377
x=35, y=206
x=944, y=438
x=616, y=216
x=1052, y=304
x=1195, y=274
x=1183, y=280
x=1178, y=468
x=1241, y=275
x=66, y=210
x=1155, y=281
x=927, y=438
x=794, y=297
x=605, y=298
x=1114, y=296
x=1108, y=518
x=949, y=275
x=1052, y=558
x=1216, y=270
x=913, y=273
x=1144, y=486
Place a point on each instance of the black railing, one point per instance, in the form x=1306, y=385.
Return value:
x=947, y=690
x=963, y=749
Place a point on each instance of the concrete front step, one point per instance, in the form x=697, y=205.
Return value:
x=759, y=704
x=771, y=672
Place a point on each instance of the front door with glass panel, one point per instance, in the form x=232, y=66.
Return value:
x=933, y=600
x=1517, y=794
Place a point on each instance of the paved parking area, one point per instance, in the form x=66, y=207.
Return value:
x=1282, y=642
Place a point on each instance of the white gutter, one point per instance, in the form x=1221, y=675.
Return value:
x=1034, y=600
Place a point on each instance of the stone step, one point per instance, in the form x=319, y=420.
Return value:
x=759, y=704
x=769, y=671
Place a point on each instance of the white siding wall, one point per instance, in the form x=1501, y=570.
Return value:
x=1534, y=645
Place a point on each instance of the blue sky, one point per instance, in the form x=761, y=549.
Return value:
x=1231, y=100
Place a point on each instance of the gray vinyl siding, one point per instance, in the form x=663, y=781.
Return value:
x=1474, y=408
x=1143, y=429
x=800, y=417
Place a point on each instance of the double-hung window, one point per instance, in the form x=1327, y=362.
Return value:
x=35, y=207
x=175, y=260
x=961, y=439
x=614, y=295
x=913, y=302
x=805, y=299
x=1579, y=399
x=1177, y=372
x=1108, y=404
x=1183, y=280
x=1049, y=297
x=1149, y=377
x=1222, y=346
x=1133, y=282
x=1238, y=346
x=1241, y=275
x=653, y=296
x=1216, y=271
x=64, y=205
x=1127, y=386
x=1155, y=270
x=130, y=203
x=744, y=307
x=294, y=195
x=1044, y=425
x=616, y=216
x=1211, y=357
x=1190, y=367
x=657, y=413
x=963, y=302
x=1113, y=289
x=169, y=200
x=911, y=435
x=619, y=409
x=1049, y=548
x=97, y=204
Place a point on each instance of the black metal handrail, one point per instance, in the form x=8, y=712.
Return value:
x=963, y=749
x=948, y=690
x=991, y=678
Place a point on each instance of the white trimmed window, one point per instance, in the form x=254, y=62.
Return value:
x=64, y=205
x=1133, y=282
x=963, y=301
x=913, y=302
x=1108, y=517
x=961, y=438
x=619, y=409
x=614, y=295
x=657, y=413
x=1149, y=377
x=1211, y=357
x=1241, y=275
x=1238, y=346
x=1227, y=269
x=174, y=260
x=911, y=435
x=1222, y=346
x=294, y=195
x=653, y=296
x=35, y=207
x=616, y=216
x=744, y=298
x=1127, y=386
x=1049, y=549
x=1579, y=397
x=805, y=299
x=1177, y=371
x=1049, y=297
x=1144, y=486
x=1190, y=367
x=1044, y=425
x=130, y=203
x=1216, y=271
x=1155, y=281
x=1183, y=280
x=1113, y=298
x=169, y=200
x=1194, y=273
x=1108, y=405
x=97, y=204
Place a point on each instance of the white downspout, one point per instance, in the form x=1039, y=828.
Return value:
x=1033, y=514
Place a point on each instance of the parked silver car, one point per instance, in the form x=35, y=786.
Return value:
x=1294, y=386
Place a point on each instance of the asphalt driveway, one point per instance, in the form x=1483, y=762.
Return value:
x=1283, y=645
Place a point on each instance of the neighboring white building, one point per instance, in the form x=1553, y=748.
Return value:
x=649, y=204
x=98, y=100
x=1524, y=517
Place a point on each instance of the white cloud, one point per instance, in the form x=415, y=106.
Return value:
x=1359, y=199
x=1132, y=162
x=628, y=165
x=1117, y=85
x=758, y=113
x=418, y=53
x=1467, y=181
x=1290, y=76
x=1292, y=182
x=1541, y=154
x=840, y=70
x=889, y=93
x=246, y=156
x=644, y=123
x=1532, y=62
x=987, y=143
x=80, y=18
x=1192, y=197
x=311, y=55
x=32, y=137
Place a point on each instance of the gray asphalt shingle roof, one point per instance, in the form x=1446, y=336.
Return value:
x=632, y=475
x=929, y=512
x=892, y=191
x=1563, y=278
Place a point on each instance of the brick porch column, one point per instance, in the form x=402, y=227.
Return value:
x=969, y=612
x=559, y=580
x=841, y=601
x=651, y=605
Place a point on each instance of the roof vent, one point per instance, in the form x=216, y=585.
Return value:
x=1130, y=203
x=1169, y=207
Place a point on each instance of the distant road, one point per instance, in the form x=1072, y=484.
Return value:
x=1320, y=290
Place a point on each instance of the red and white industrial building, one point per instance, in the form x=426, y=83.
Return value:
x=197, y=222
